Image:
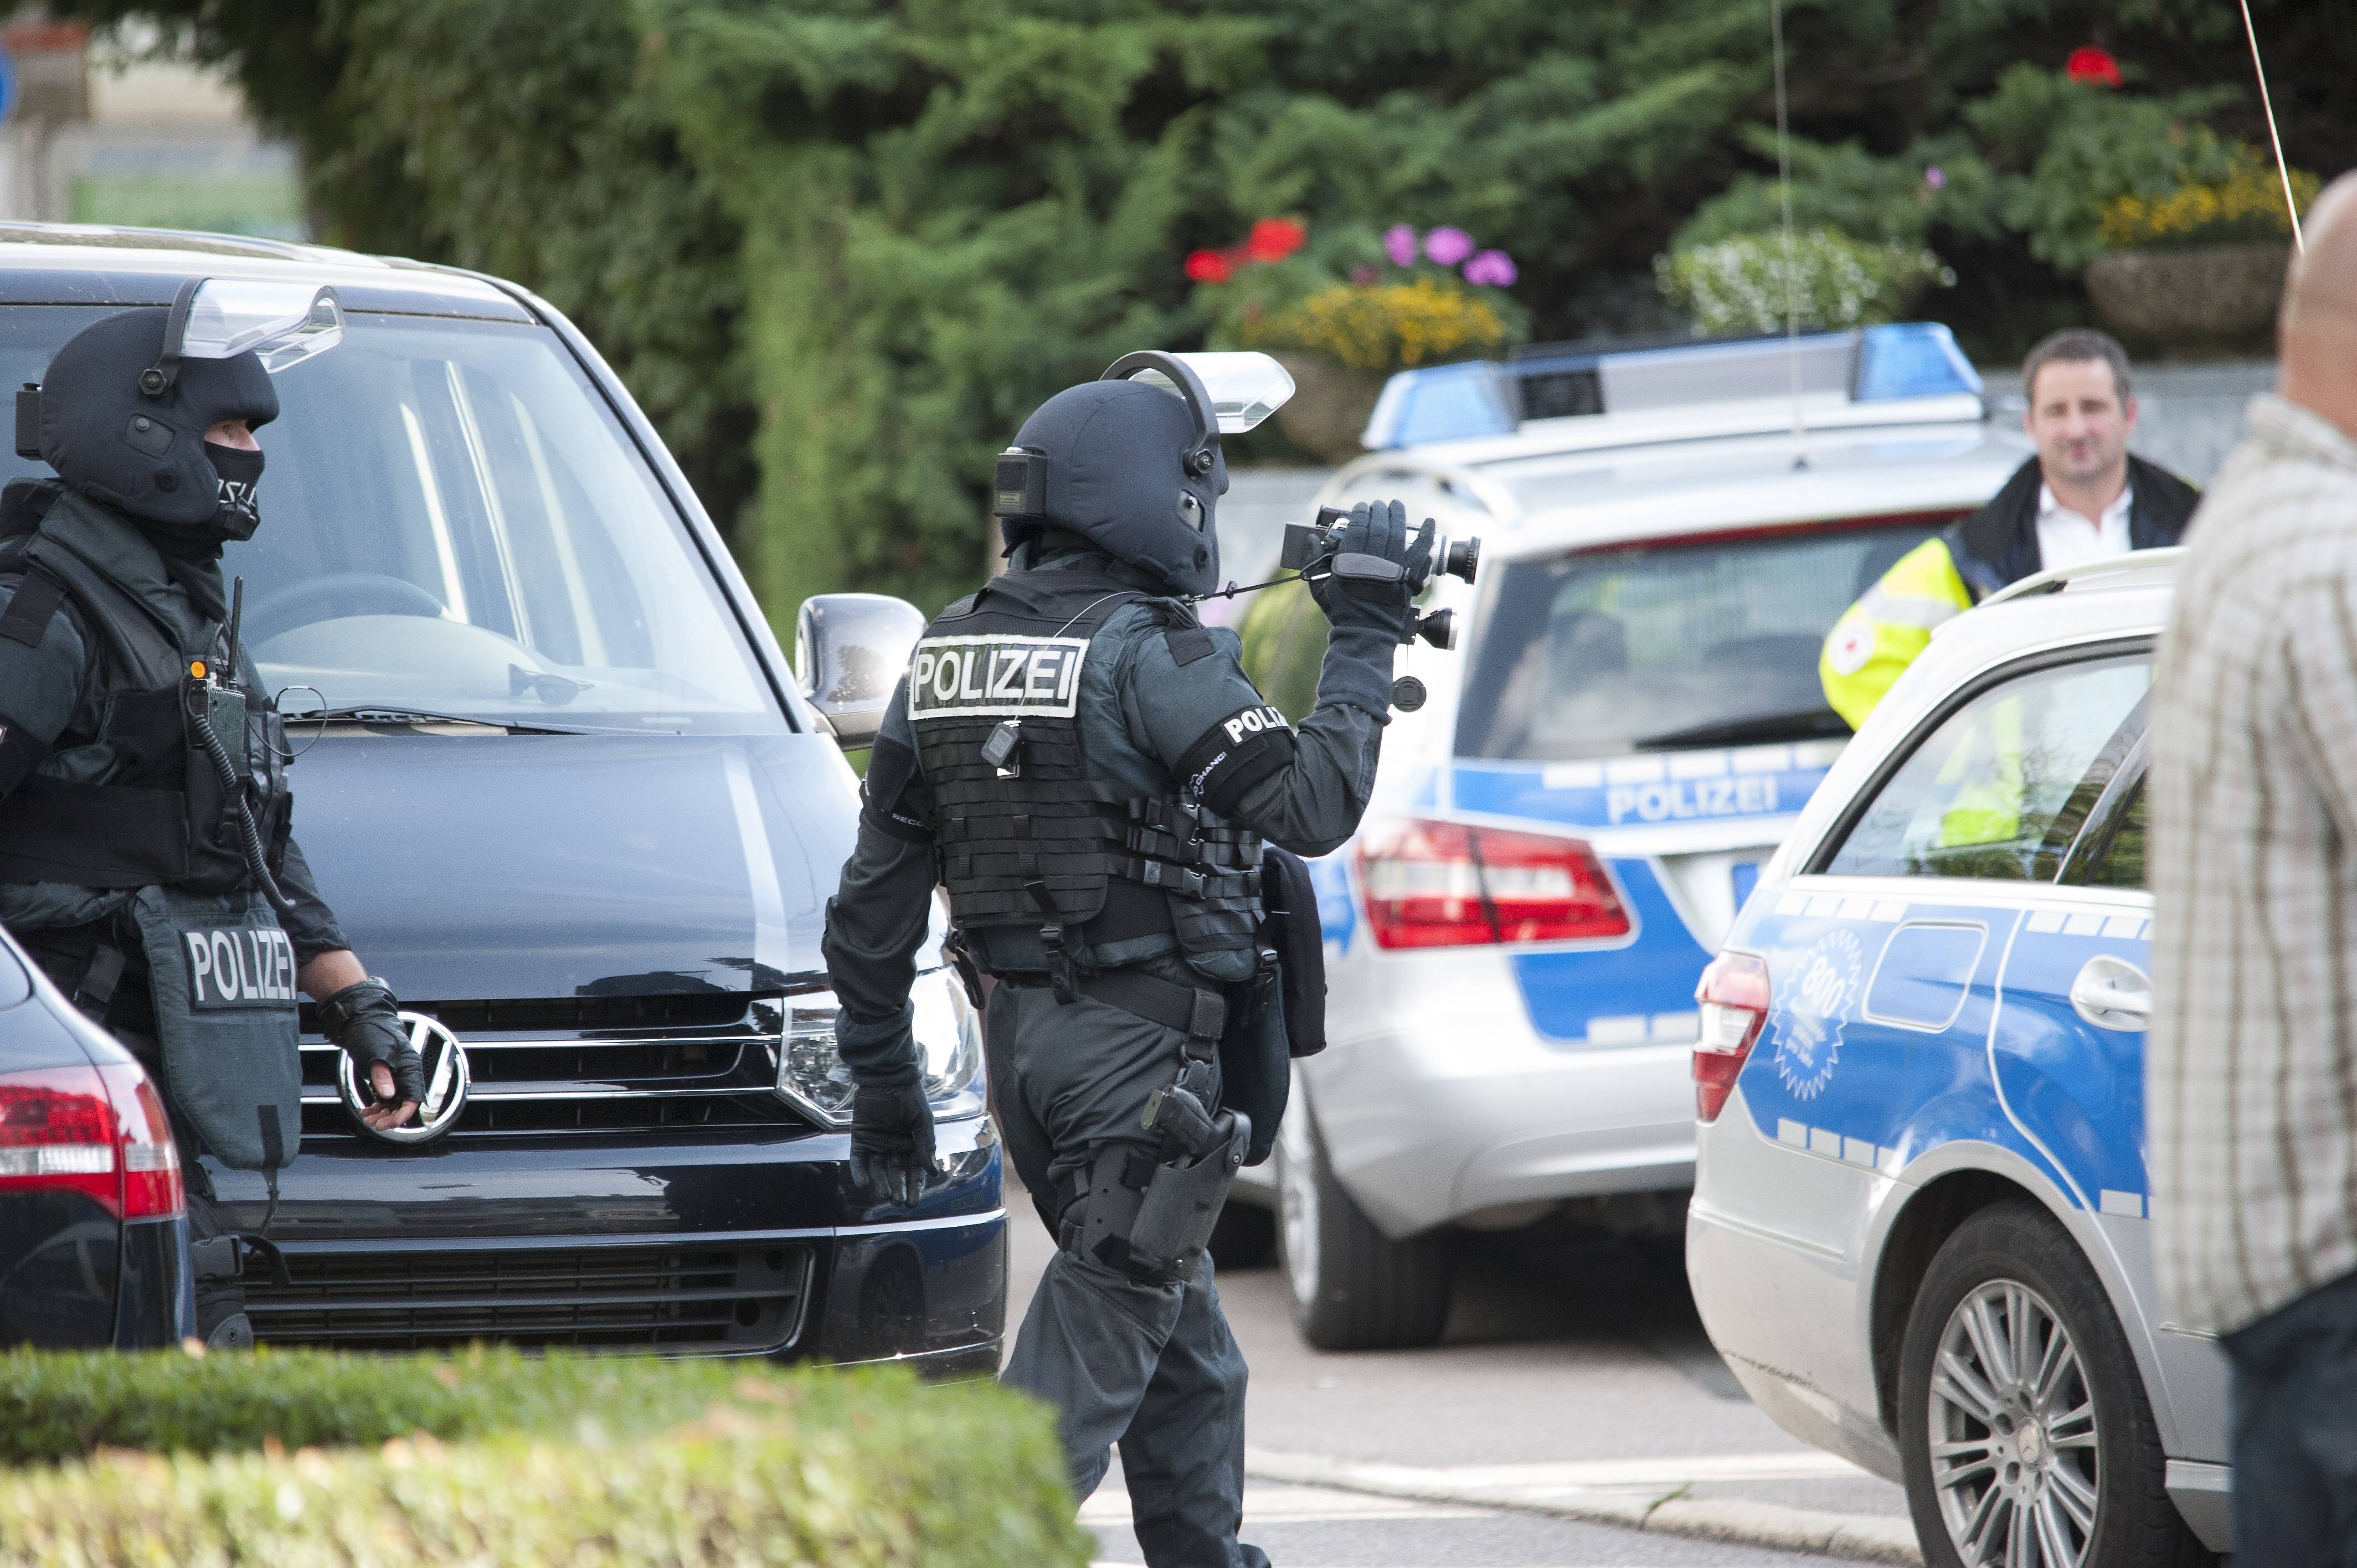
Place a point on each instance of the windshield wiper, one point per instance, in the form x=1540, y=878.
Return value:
x=398, y=713
x=1803, y=725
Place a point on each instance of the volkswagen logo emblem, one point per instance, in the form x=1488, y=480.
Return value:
x=446, y=1081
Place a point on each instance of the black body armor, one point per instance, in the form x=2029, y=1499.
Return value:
x=1030, y=835
x=163, y=816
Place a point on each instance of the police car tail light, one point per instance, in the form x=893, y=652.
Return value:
x=1734, y=997
x=65, y=1130
x=1434, y=884
x=152, y=1183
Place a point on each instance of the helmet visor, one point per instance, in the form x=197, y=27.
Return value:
x=282, y=324
x=1245, y=388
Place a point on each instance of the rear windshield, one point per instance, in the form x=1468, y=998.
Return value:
x=1602, y=652
x=454, y=522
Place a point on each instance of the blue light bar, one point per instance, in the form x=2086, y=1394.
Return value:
x=1441, y=403
x=1911, y=359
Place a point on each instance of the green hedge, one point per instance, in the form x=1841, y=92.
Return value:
x=584, y=1461
x=56, y=1406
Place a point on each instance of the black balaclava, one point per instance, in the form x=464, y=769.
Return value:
x=148, y=457
x=1118, y=476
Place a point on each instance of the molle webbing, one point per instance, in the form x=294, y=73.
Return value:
x=1108, y=862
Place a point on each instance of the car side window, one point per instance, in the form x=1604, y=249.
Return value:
x=2000, y=788
x=2122, y=862
x=1285, y=645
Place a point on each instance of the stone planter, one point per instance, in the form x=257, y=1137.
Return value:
x=1329, y=405
x=2203, y=294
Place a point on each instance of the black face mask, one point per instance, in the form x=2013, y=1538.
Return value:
x=239, y=470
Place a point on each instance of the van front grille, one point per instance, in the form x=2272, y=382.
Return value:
x=681, y=1299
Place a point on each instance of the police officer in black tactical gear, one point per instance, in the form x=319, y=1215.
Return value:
x=145, y=857
x=1090, y=772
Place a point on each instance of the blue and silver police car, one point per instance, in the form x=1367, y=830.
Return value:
x=1919, y=1225
x=1628, y=726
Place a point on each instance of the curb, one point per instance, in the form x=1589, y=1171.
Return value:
x=1862, y=1538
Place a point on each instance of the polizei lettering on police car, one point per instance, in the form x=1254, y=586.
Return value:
x=970, y=677
x=1741, y=796
x=239, y=966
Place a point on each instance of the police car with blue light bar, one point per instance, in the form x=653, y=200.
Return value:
x=1627, y=729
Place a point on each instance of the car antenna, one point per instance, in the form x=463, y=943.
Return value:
x=1792, y=271
x=2283, y=170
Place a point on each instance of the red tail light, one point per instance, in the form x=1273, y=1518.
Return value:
x=1734, y=997
x=96, y=1131
x=152, y=1183
x=1438, y=884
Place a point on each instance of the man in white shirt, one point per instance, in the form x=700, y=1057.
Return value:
x=2251, y=1067
x=2081, y=498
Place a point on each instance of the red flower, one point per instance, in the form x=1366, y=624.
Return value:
x=2092, y=66
x=1210, y=266
x=1274, y=239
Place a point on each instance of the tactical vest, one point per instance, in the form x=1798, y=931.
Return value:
x=1029, y=836
x=163, y=816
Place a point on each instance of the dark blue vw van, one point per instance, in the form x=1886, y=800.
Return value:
x=560, y=784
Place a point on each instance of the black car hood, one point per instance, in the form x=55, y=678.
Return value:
x=549, y=865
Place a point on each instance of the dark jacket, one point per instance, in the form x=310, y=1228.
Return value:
x=1997, y=545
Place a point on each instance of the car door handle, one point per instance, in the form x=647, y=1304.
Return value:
x=2112, y=994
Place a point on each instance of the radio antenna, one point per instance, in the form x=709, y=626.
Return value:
x=1792, y=266
x=2283, y=169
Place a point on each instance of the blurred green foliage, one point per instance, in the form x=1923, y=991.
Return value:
x=486, y=1457
x=840, y=248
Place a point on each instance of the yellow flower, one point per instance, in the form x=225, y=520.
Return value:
x=1381, y=328
x=2246, y=204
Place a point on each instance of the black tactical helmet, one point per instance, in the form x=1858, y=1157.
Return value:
x=1131, y=461
x=143, y=455
x=1127, y=468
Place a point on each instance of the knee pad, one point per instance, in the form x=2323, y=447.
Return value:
x=1151, y=1219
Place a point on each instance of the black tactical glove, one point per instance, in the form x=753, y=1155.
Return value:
x=1377, y=528
x=365, y=1020
x=891, y=1141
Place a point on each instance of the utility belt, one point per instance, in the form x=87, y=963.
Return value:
x=1200, y=1015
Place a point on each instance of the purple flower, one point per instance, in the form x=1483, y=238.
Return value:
x=1448, y=246
x=1936, y=178
x=1362, y=276
x=1493, y=267
x=1399, y=243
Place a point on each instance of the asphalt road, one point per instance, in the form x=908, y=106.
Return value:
x=1569, y=1352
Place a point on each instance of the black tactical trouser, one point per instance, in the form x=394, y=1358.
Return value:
x=1150, y=1366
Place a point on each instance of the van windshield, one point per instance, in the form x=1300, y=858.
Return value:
x=1653, y=647
x=455, y=524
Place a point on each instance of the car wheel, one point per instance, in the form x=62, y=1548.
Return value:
x=1349, y=1286
x=1244, y=1236
x=2025, y=1433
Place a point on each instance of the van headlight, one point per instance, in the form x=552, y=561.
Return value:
x=948, y=1030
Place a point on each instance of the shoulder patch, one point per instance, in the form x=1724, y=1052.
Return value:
x=996, y=674
x=1188, y=643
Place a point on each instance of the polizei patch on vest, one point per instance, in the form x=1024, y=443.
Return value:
x=239, y=966
x=977, y=677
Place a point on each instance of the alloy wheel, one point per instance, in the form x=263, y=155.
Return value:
x=2014, y=1460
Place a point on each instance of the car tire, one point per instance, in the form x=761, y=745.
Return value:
x=1348, y=1286
x=2014, y=1360
x=1244, y=1236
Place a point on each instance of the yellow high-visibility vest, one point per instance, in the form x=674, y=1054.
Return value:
x=1882, y=633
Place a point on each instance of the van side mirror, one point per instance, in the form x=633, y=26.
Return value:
x=850, y=651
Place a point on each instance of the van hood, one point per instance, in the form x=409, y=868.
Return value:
x=491, y=866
